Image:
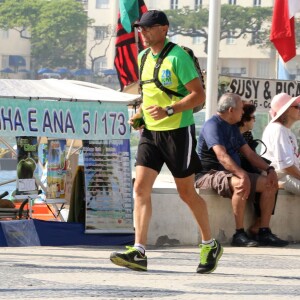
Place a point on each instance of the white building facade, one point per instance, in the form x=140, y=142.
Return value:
x=235, y=56
x=14, y=54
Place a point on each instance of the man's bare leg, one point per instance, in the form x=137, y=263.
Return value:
x=143, y=184
x=196, y=203
x=238, y=204
x=240, y=238
x=267, y=200
x=265, y=237
x=211, y=250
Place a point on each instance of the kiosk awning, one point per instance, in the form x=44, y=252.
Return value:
x=17, y=61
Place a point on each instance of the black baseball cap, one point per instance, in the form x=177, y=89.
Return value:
x=152, y=17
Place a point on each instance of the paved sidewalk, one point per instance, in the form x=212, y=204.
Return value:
x=86, y=272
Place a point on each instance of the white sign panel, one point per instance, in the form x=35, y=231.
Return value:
x=259, y=91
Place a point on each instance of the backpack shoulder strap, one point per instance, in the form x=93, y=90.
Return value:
x=143, y=59
x=160, y=59
x=166, y=50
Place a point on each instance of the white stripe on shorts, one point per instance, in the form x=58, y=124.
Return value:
x=190, y=141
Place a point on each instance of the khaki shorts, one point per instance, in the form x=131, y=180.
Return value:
x=219, y=181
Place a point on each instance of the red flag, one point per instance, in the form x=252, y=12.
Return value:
x=283, y=28
x=127, y=51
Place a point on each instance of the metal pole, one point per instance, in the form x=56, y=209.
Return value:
x=115, y=12
x=2, y=140
x=7, y=181
x=213, y=55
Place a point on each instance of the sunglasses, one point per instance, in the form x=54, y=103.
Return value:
x=147, y=28
x=253, y=118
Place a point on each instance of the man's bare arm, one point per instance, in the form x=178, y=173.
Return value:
x=259, y=163
x=230, y=165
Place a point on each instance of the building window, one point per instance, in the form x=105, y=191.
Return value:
x=85, y=4
x=100, y=32
x=174, y=39
x=197, y=40
x=102, y=4
x=255, y=39
x=4, y=34
x=263, y=68
x=5, y=61
x=100, y=64
x=174, y=4
x=203, y=64
x=198, y=4
x=256, y=2
x=26, y=34
x=232, y=2
x=225, y=71
x=233, y=71
x=230, y=40
x=16, y=61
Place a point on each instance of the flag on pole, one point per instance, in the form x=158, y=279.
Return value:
x=283, y=28
x=129, y=13
x=127, y=47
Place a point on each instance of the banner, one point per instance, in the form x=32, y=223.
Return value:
x=64, y=120
x=259, y=91
x=57, y=167
x=108, y=184
x=27, y=160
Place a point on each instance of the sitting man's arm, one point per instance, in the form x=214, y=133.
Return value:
x=292, y=171
x=259, y=163
x=229, y=164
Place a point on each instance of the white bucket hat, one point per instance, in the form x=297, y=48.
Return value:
x=280, y=103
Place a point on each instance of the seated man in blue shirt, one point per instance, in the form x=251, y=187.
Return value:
x=219, y=144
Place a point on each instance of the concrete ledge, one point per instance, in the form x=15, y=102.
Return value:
x=173, y=224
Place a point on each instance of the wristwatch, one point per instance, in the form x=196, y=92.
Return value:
x=269, y=169
x=170, y=111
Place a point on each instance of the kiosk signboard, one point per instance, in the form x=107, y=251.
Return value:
x=68, y=120
x=108, y=186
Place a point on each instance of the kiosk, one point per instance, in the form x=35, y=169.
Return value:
x=78, y=111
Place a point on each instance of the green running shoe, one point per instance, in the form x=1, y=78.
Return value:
x=132, y=259
x=209, y=257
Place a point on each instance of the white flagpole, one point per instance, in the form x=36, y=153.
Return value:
x=213, y=56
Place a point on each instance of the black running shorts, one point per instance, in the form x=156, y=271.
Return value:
x=175, y=147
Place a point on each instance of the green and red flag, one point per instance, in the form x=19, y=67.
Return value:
x=127, y=48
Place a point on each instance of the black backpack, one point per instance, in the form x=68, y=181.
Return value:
x=160, y=59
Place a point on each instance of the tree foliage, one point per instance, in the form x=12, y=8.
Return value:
x=57, y=29
x=236, y=22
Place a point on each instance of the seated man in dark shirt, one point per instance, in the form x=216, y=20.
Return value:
x=219, y=144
